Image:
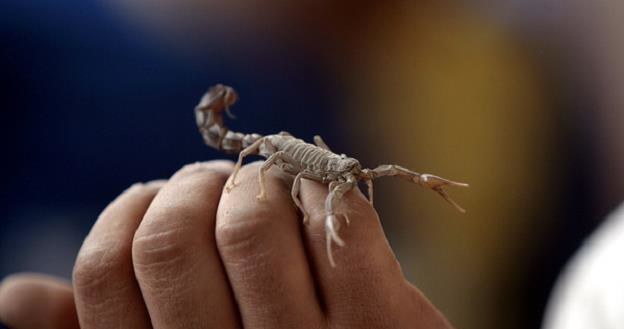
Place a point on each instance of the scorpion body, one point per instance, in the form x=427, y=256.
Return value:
x=300, y=159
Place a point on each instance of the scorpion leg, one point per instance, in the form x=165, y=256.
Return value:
x=331, y=222
x=426, y=180
x=251, y=149
x=295, y=196
x=320, y=143
x=265, y=166
x=333, y=185
x=279, y=155
x=369, y=184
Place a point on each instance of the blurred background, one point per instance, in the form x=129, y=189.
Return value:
x=520, y=98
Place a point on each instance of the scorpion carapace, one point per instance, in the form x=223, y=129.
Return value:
x=300, y=159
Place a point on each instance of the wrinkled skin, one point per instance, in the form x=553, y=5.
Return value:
x=183, y=253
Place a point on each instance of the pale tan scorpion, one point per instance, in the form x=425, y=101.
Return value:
x=301, y=159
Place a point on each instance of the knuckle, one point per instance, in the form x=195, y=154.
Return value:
x=105, y=258
x=159, y=245
x=98, y=266
x=172, y=230
x=160, y=257
x=244, y=221
x=239, y=229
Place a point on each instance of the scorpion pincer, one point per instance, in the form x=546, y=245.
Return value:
x=300, y=159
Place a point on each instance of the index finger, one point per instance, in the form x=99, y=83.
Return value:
x=262, y=251
x=366, y=269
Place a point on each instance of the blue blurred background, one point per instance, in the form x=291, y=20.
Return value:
x=92, y=104
x=519, y=98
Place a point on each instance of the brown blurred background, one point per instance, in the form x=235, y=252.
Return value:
x=521, y=99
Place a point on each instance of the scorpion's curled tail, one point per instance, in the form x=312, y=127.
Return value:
x=209, y=117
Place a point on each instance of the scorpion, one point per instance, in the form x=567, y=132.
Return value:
x=302, y=160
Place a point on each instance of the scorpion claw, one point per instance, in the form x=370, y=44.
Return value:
x=448, y=199
x=437, y=183
x=432, y=181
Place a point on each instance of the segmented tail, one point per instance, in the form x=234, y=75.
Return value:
x=209, y=117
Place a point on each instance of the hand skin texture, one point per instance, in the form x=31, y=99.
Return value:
x=184, y=253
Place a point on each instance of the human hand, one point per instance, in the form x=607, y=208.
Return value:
x=186, y=254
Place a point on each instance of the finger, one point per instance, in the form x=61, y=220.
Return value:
x=366, y=272
x=174, y=253
x=262, y=250
x=36, y=301
x=107, y=294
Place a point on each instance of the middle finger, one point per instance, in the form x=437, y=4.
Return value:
x=175, y=258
